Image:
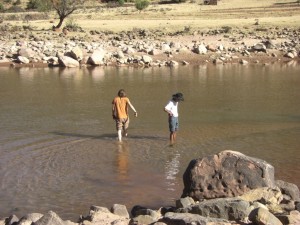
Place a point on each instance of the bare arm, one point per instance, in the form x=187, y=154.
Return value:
x=113, y=111
x=132, y=107
x=168, y=111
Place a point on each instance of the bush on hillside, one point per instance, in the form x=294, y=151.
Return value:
x=32, y=4
x=1, y=7
x=13, y=17
x=27, y=27
x=121, y=2
x=171, y=1
x=18, y=2
x=40, y=5
x=141, y=4
x=227, y=29
x=15, y=9
x=178, y=1
x=71, y=25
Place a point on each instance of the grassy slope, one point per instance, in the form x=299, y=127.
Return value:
x=174, y=17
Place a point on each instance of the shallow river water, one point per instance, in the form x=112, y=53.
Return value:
x=58, y=148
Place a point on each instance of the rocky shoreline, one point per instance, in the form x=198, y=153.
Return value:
x=228, y=188
x=145, y=48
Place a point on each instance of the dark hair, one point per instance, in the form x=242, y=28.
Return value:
x=178, y=97
x=121, y=93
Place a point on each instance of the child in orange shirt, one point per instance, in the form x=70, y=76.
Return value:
x=120, y=113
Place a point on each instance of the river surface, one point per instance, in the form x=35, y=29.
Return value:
x=58, y=147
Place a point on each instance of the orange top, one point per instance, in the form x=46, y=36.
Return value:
x=121, y=107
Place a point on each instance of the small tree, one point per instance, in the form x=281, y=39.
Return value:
x=64, y=8
x=141, y=4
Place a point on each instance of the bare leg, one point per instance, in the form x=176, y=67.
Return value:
x=172, y=137
x=125, y=132
x=120, y=135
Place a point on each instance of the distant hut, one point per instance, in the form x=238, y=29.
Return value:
x=210, y=2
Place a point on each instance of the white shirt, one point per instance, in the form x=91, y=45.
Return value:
x=173, y=108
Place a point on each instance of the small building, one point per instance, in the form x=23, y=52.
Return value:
x=210, y=2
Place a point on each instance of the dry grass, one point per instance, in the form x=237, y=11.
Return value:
x=195, y=16
x=176, y=17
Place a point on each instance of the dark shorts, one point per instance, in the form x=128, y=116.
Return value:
x=122, y=124
x=173, y=123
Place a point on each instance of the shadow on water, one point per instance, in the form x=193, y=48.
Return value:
x=106, y=136
x=103, y=136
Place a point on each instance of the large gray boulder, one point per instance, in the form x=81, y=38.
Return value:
x=290, y=193
x=77, y=53
x=103, y=216
x=259, y=47
x=292, y=219
x=200, y=49
x=30, y=218
x=263, y=217
x=146, y=59
x=97, y=58
x=120, y=210
x=11, y=220
x=226, y=174
x=139, y=210
x=144, y=219
x=26, y=52
x=171, y=218
x=67, y=61
x=222, y=208
x=184, y=202
x=264, y=195
x=23, y=59
x=165, y=48
x=50, y=218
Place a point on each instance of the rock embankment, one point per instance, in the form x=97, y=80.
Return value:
x=149, y=48
x=228, y=188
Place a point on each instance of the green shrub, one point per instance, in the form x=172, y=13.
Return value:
x=41, y=5
x=121, y=2
x=27, y=27
x=178, y=1
x=13, y=17
x=71, y=25
x=112, y=4
x=141, y=4
x=15, y=9
x=18, y=2
x=1, y=7
x=227, y=29
x=15, y=28
x=32, y=4
x=187, y=29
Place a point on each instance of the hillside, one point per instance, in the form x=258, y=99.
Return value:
x=169, y=17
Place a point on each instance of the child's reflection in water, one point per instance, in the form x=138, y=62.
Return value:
x=122, y=161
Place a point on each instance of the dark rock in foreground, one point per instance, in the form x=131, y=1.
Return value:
x=226, y=174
